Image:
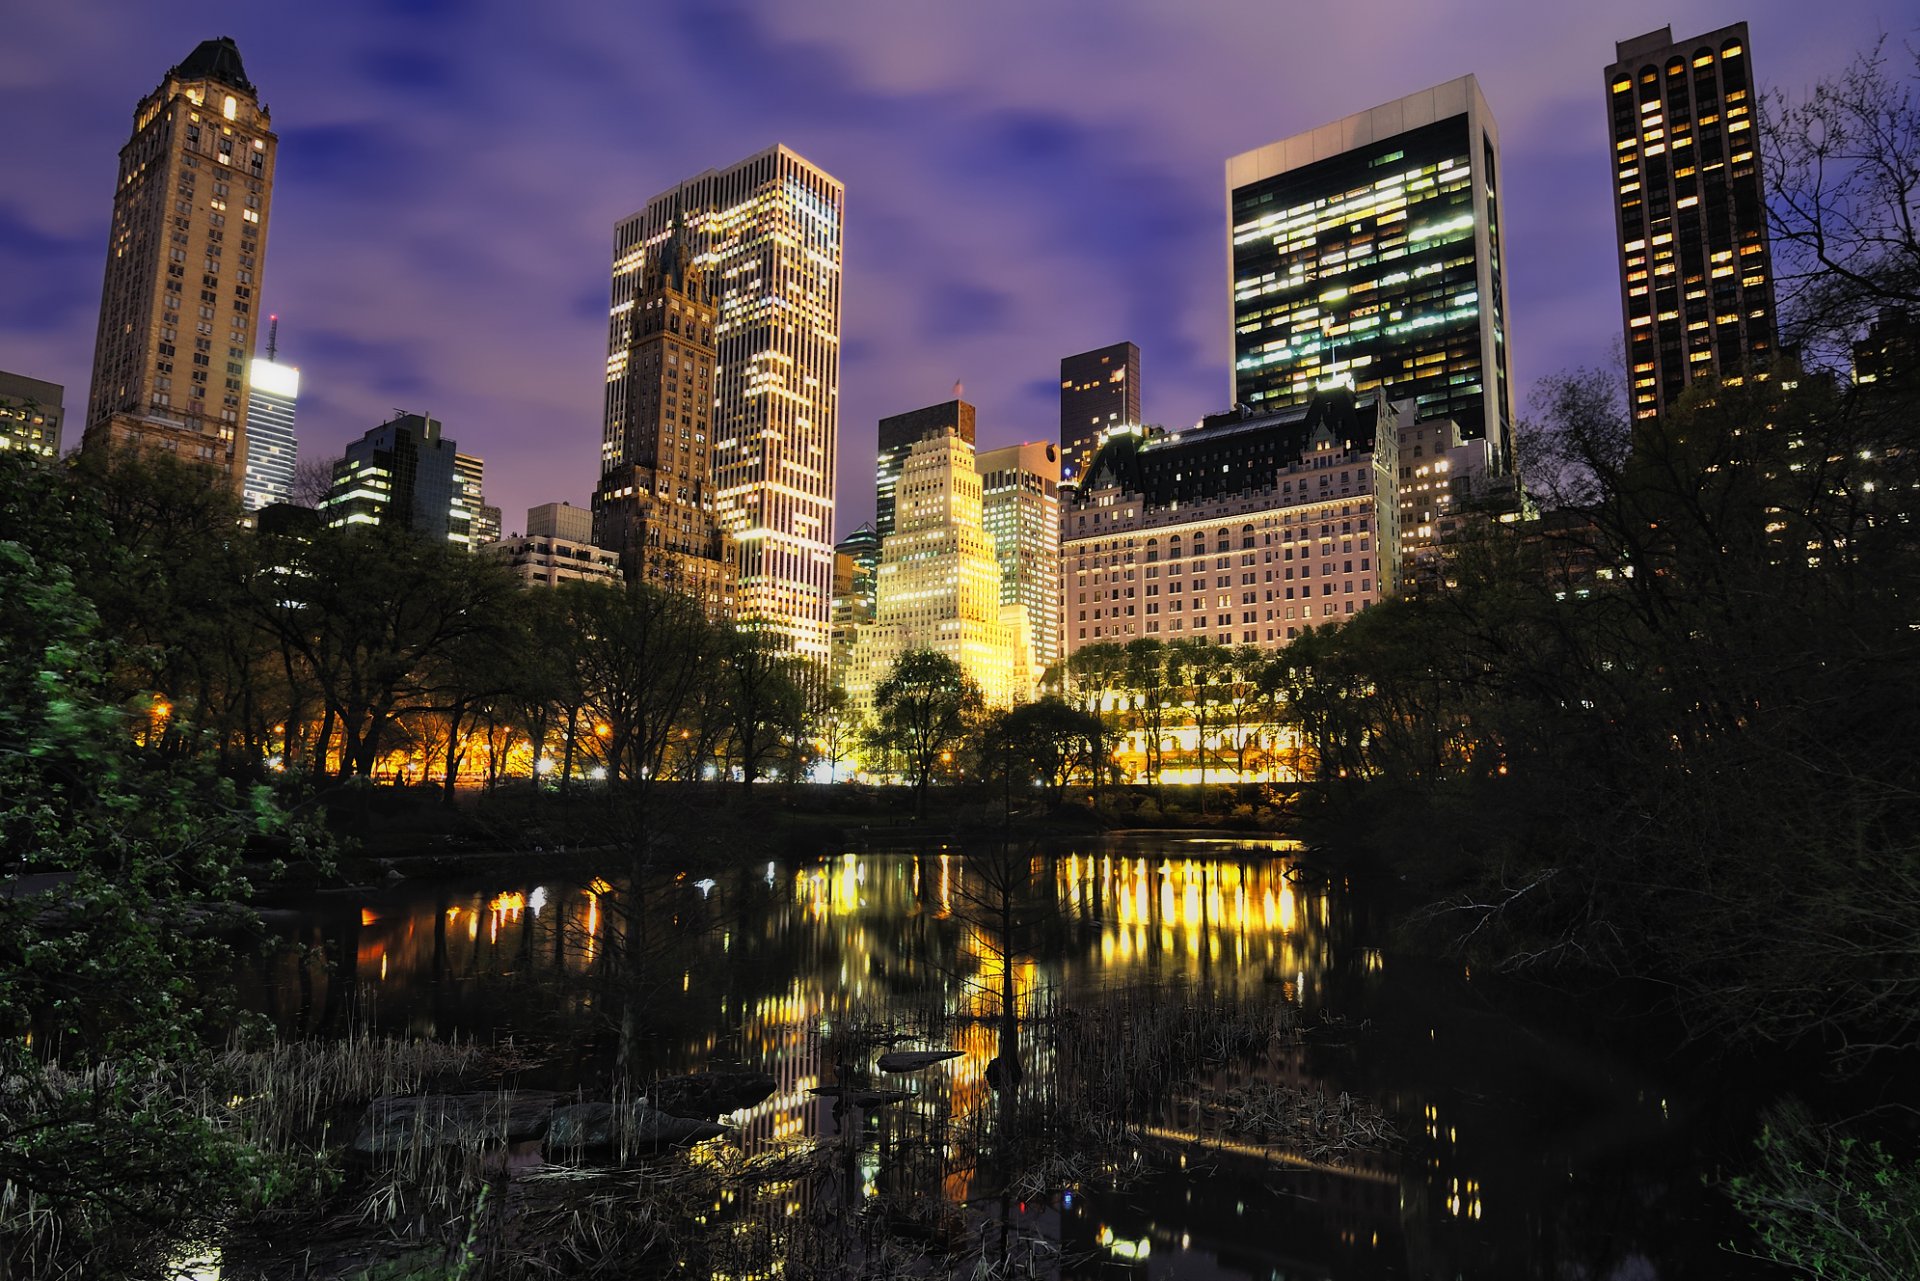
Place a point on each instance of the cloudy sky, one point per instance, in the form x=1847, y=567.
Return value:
x=1025, y=179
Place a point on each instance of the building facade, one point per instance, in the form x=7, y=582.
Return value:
x=655, y=505
x=470, y=473
x=273, y=447
x=768, y=233
x=1368, y=253
x=901, y=433
x=938, y=584
x=1099, y=391
x=186, y=256
x=1443, y=473
x=1696, y=283
x=856, y=573
x=30, y=414
x=1242, y=531
x=557, y=548
x=1020, y=506
x=401, y=476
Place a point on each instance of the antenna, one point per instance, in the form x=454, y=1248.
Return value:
x=273, y=336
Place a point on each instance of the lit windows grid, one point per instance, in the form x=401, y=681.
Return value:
x=1363, y=266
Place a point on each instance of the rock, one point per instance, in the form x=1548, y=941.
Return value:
x=710, y=1095
x=875, y=1098
x=593, y=1127
x=914, y=1060
x=453, y=1120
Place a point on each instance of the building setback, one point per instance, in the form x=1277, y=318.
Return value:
x=1099, y=391
x=1367, y=253
x=1020, y=506
x=899, y=434
x=186, y=256
x=30, y=414
x=1242, y=531
x=768, y=232
x=401, y=476
x=1696, y=286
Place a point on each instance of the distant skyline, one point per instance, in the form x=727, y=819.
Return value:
x=1021, y=185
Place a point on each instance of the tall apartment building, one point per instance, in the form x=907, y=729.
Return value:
x=470, y=473
x=185, y=259
x=898, y=435
x=557, y=548
x=1367, y=253
x=30, y=414
x=1696, y=283
x=1020, y=506
x=655, y=504
x=401, y=476
x=273, y=448
x=1099, y=391
x=1242, y=531
x=767, y=231
x=939, y=584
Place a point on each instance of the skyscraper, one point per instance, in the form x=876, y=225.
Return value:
x=401, y=476
x=939, y=585
x=1696, y=286
x=654, y=506
x=1020, y=507
x=901, y=433
x=185, y=258
x=273, y=391
x=1099, y=390
x=1368, y=253
x=768, y=231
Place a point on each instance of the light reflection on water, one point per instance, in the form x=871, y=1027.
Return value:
x=757, y=968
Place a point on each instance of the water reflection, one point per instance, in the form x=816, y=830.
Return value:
x=1518, y=1149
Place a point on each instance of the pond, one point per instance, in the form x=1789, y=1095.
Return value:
x=1527, y=1140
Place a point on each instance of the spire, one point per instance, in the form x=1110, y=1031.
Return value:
x=273, y=336
x=217, y=59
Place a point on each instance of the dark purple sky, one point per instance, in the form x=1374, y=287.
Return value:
x=1024, y=180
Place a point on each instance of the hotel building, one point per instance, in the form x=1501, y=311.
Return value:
x=185, y=257
x=1696, y=286
x=1367, y=252
x=1244, y=530
x=767, y=231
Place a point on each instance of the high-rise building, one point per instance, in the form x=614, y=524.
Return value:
x=483, y=522
x=30, y=414
x=856, y=573
x=1099, y=391
x=1696, y=286
x=1367, y=253
x=939, y=584
x=901, y=433
x=655, y=504
x=1020, y=506
x=401, y=475
x=1245, y=530
x=273, y=393
x=557, y=548
x=185, y=259
x=768, y=232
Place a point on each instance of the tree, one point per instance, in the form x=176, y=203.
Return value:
x=642, y=654
x=923, y=708
x=763, y=698
x=112, y=851
x=1842, y=174
x=1047, y=742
